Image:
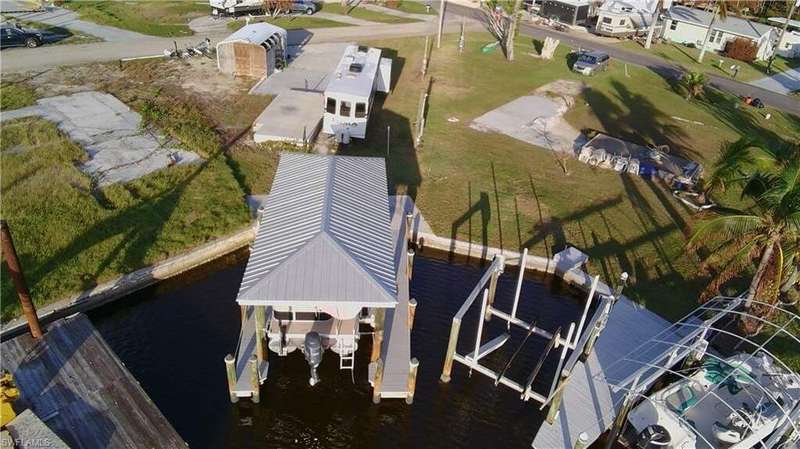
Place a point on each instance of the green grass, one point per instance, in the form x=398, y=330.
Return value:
x=71, y=237
x=15, y=95
x=165, y=18
x=687, y=57
x=364, y=14
x=66, y=35
x=294, y=22
x=412, y=6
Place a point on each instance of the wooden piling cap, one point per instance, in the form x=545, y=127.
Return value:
x=414, y=362
x=229, y=359
x=412, y=302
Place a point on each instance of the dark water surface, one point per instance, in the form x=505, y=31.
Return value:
x=173, y=338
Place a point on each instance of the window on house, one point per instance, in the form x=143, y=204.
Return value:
x=361, y=110
x=715, y=37
x=330, y=106
x=622, y=21
x=673, y=26
x=607, y=20
x=344, y=109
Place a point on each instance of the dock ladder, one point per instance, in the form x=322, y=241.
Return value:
x=347, y=352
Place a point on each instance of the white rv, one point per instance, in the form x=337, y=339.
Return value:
x=235, y=6
x=350, y=93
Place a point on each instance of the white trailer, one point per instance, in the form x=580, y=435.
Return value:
x=219, y=7
x=350, y=93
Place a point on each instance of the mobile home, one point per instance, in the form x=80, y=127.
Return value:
x=623, y=18
x=350, y=92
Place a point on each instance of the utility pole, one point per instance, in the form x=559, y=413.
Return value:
x=15, y=270
x=654, y=20
x=708, y=33
x=780, y=36
x=441, y=24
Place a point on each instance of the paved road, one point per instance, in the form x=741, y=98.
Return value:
x=783, y=83
x=658, y=65
x=65, y=18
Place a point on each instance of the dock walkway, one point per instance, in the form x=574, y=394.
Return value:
x=590, y=404
x=396, y=346
x=245, y=350
x=78, y=387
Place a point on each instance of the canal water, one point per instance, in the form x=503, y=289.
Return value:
x=173, y=338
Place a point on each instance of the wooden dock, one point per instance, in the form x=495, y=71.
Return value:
x=245, y=384
x=396, y=346
x=78, y=387
x=590, y=403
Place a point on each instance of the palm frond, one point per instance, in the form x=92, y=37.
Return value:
x=727, y=226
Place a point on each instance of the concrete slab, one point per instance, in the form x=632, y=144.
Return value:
x=783, y=83
x=535, y=119
x=309, y=69
x=119, y=149
x=65, y=18
x=291, y=117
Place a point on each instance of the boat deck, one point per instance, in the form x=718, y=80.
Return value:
x=76, y=385
x=589, y=403
x=396, y=346
x=246, y=349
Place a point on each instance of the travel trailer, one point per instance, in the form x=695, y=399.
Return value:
x=350, y=92
x=624, y=18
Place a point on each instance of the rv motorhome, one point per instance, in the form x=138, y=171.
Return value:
x=350, y=93
x=235, y=6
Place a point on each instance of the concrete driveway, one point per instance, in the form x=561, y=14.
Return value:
x=783, y=83
x=65, y=18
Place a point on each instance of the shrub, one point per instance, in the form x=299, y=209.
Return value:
x=741, y=49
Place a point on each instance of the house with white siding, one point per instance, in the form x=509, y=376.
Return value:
x=790, y=43
x=689, y=26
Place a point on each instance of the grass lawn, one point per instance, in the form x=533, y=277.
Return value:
x=166, y=18
x=413, y=6
x=687, y=57
x=492, y=189
x=15, y=95
x=294, y=22
x=364, y=14
x=70, y=236
x=65, y=35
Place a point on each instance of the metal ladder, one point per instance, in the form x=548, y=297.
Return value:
x=347, y=353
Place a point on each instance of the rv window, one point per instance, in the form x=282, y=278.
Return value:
x=361, y=110
x=330, y=106
x=356, y=68
x=282, y=315
x=344, y=109
x=311, y=316
x=673, y=26
x=607, y=20
x=622, y=21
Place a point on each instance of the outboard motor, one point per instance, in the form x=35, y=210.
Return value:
x=313, y=352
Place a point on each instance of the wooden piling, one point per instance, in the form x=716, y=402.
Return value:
x=255, y=382
x=583, y=441
x=622, y=415
x=261, y=325
x=555, y=402
x=18, y=278
x=492, y=291
x=412, y=379
x=377, y=334
x=230, y=370
x=412, y=310
x=410, y=263
x=451, y=349
x=376, y=383
x=409, y=225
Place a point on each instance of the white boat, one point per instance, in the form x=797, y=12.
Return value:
x=733, y=403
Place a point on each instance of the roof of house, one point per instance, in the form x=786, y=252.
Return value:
x=255, y=33
x=730, y=24
x=325, y=236
x=782, y=20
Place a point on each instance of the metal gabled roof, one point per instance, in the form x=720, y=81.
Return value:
x=324, y=236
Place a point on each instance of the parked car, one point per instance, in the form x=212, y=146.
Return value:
x=305, y=6
x=591, y=62
x=11, y=36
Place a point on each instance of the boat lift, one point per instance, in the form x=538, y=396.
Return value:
x=581, y=335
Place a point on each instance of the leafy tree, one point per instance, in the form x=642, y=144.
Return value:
x=764, y=235
x=694, y=83
x=275, y=7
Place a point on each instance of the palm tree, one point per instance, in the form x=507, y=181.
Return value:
x=721, y=10
x=651, y=31
x=694, y=83
x=503, y=28
x=765, y=234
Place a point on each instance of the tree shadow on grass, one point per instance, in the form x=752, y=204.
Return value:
x=483, y=207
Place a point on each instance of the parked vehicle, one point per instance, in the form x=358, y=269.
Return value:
x=232, y=7
x=591, y=62
x=11, y=36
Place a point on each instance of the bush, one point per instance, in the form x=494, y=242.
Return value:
x=741, y=49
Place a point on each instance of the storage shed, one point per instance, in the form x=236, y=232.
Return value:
x=254, y=50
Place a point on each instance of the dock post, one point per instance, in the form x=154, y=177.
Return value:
x=622, y=416
x=230, y=370
x=261, y=325
x=583, y=441
x=410, y=263
x=15, y=270
x=412, y=311
x=493, y=289
x=413, y=364
x=555, y=402
x=254, y=379
x=376, y=383
x=409, y=224
x=377, y=335
x=451, y=349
